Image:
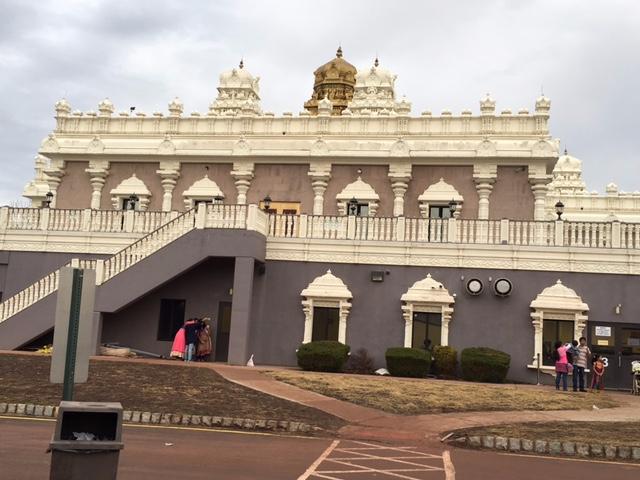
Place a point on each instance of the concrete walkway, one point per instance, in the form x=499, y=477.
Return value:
x=370, y=424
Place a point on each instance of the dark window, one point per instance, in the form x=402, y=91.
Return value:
x=427, y=330
x=171, y=318
x=553, y=331
x=325, y=324
x=439, y=211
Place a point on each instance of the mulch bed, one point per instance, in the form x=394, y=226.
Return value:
x=148, y=387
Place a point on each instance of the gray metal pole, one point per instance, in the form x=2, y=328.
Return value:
x=72, y=339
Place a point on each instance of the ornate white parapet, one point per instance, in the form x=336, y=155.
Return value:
x=320, y=174
x=98, y=171
x=243, y=174
x=400, y=176
x=484, y=176
x=169, y=173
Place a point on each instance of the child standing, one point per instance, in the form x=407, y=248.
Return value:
x=597, y=380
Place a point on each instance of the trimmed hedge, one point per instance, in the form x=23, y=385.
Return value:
x=323, y=356
x=445, y=361
x=408, y=362
x=481, y=364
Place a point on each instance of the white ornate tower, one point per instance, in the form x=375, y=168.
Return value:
x=374, y=92
x=238, y=93
x=567, y=177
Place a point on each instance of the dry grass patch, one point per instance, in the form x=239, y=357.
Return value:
x=150, y=387
x=605, y=433
x=414, y=397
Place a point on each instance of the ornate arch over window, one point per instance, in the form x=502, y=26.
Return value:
x=427, y=296
x=326, y=291
x=362, y=192
x=204, y=189
x=557, y=303
x=439, y=194
x=128, y=187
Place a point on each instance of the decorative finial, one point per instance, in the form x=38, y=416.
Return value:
x=339, y=52
x=241, y=63
x=375, y=62
x=565, y=152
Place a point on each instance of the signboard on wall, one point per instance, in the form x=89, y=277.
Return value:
x=603, y=331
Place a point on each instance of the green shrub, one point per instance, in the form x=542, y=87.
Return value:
x=445, y=361
x=323, y=356
x=408, y=362
x=483, y=364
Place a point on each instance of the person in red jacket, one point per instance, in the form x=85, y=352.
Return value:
x=597, y=380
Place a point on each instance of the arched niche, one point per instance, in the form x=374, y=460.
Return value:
x=557, y=303
x=363, y=193
x=431, y=297
x=128, y=187
x=326, y=292
x=203, y=190
x=439, y=194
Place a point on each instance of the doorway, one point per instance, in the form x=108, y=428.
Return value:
x=619, y=345
x=221, y=352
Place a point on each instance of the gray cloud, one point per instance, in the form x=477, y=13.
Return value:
x=143, y=53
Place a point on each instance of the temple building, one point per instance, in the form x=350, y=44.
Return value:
x=355, y=220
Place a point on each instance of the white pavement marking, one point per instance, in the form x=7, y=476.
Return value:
x=319, y=460
x=449, y=470
x=403, y=463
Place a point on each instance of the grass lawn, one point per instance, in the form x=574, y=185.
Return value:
x=414, y=397
x=160, y=388
x=606, y=433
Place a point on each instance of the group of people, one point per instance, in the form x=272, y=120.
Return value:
x=193, y=341
x=573, y=359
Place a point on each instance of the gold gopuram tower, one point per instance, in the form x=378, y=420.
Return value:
x=334, y=80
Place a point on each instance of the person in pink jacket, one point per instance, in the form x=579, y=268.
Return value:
x=562, y=365
x=179, y=344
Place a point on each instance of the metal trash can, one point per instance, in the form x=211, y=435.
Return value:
x=87, y=441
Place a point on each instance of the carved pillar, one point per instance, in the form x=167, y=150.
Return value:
x=55, y=172
x=539, y=189
x=537, y=319
x=399, y=175
x=320, y=174
x=98, y=171
x=243, y=174
x=484, y=176
x=169, y=173
x=307, y=308
x=345, y=306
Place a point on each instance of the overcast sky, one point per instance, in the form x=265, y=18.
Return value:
x=585, y=54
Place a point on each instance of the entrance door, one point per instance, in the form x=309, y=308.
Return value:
x=619, y=345
x=221, y=352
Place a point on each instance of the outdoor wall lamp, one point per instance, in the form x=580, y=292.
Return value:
x=453, y=205
x=353, y=205
x=266, y=203
x=559, y=209
x=49, y=199
x=618, y=308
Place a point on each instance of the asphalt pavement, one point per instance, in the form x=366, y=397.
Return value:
x=161, y=453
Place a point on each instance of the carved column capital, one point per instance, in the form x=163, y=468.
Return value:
x=400, y=176
x=320, y=174
x=98, y=171
x=54, y=173
x=169, y=173
x=539, y=180
x=484, y=176
x=243, y=174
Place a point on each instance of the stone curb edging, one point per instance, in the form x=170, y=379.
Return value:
x=149, y=418
x=551, y=447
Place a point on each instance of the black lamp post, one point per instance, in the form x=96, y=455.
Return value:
x=49, y=199
x=559, y=209
x=453, y=205
x=133, y=201
x=266, y=203
x=353, y=206
x=218, y=199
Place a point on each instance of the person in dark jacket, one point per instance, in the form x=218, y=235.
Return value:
x=191, y=328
